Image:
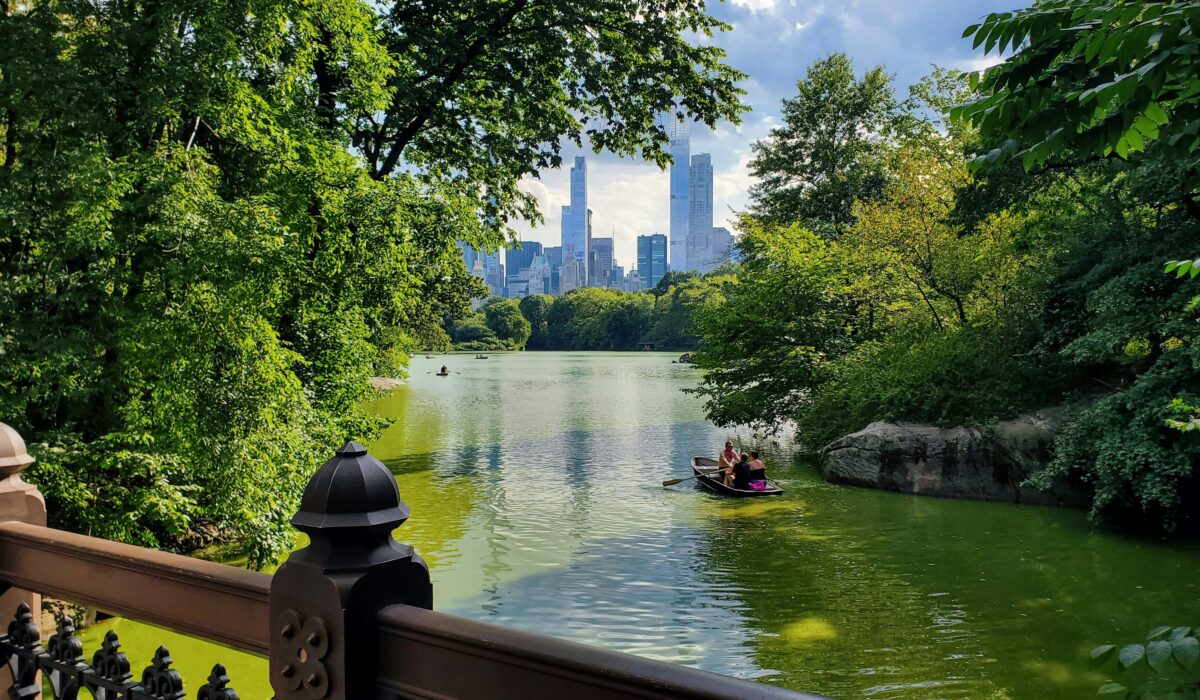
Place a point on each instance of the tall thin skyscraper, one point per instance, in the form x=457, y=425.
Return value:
x=575, y=217
x=700, y=195
x=680, y=133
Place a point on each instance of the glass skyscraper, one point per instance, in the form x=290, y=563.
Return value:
x=575, y=217
x=680, y=133
x=652, y=258
x=700, y=195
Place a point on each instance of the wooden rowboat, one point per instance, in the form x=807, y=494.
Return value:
x=442, y=374
x=704, y=465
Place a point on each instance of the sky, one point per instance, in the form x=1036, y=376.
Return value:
x=772, y=41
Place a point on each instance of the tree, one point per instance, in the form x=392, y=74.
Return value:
x=505, y=319
x=1091, y=79
x=574, y=318
x=764, y=343
x=216, y=222
x=671, y=279
x=536, y=309
x=472, y=329
x=826, y=155
x=522, y=77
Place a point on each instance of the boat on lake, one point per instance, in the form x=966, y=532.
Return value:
x=442, y=374
x=481, y=357
x=703, y=466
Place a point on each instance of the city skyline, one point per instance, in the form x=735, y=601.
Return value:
x=772, y=41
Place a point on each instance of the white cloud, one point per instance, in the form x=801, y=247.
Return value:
x=757, y=5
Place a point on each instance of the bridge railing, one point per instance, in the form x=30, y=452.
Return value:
x=347, y=617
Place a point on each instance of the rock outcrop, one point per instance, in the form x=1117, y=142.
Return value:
x=988, y=463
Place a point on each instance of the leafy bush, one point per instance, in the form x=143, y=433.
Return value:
x=1161, y=667
x=969, y=375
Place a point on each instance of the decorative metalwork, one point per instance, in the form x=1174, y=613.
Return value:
x=305, y=644
x=107, y=677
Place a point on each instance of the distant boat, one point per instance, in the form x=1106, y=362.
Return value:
x=704, y=465
x=443, y=374
x=429, y=357
x=481, y=357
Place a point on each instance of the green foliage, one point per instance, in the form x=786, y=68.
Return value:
x=504, y=318
x=972, y=375
x=1090, y=78
x=218, y=220
x=827, y=154
x=1162, y=666
x=536, y=309
x=763, y=344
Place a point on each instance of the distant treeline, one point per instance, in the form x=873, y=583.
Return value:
x=592, y=318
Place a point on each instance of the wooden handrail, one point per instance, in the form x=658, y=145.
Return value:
x=219, y=602
x=426, y=654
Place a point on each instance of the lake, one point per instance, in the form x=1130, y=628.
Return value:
x=534, y=483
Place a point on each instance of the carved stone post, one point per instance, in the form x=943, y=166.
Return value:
x=21, y=501
x=325, y=597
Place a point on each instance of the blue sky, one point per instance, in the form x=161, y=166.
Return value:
x=772, y=41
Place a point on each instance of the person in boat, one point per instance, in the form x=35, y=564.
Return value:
x=757, y=478
x=727, y=459
x=739, y=476
x=444, y=370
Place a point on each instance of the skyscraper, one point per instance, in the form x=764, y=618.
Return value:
x=517, y=259
x=600, y=266
x=700, y=196
x=651, y=258
x=710, y=249
x=571, y=274
x=468, y=254
x=680, y=133
x=575, y=217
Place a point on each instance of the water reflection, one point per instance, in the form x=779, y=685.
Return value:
x=534, y=484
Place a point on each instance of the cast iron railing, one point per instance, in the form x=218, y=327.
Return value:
x=347, y=617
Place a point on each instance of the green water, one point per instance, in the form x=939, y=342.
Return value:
x=534, y=484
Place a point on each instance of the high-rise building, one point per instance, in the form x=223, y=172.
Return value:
x=680, y=133
x=517, y=259
x=651, y=258
x=554, y=260
x=600, y=265
x=575, y=217
x=570, y=274
x=539, y=275
x=710, y=249
x=700, y=196
x=633, y=282
x=468, y=254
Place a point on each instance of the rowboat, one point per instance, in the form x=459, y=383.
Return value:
x=442, y=374
x=703, y=466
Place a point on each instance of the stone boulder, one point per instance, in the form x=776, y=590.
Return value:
x=988, y=463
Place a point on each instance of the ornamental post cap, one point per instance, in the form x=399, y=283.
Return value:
x=351, y=490
x=13, y=457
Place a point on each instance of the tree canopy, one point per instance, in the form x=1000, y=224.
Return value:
x=826, y=154
x=218, y=220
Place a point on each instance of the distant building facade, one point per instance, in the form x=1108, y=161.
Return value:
x=600, y=266
x=710, y=249
x=575, y=217
x=571, y=274
x=651, y=258
x=680, y=149
x=700, y=194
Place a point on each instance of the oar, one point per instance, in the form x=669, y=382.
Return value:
x=672, y=482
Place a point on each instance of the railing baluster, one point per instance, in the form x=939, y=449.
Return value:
x=21, y=647
x=63, y=661
x=217, y=687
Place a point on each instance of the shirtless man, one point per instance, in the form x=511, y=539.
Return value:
x=727, y=458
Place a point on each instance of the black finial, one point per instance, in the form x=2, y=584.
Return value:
x=351, y=490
